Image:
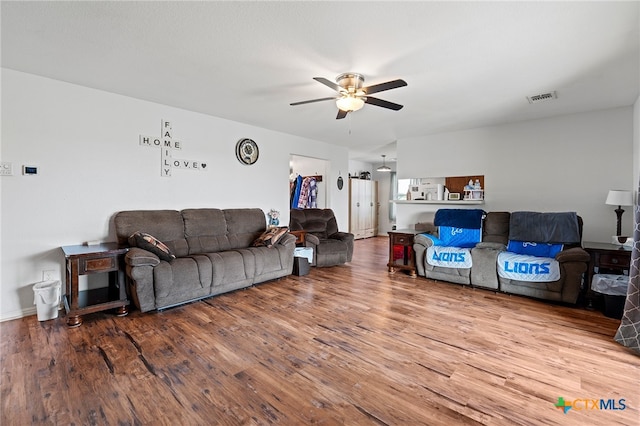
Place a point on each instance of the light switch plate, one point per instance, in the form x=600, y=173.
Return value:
x=6, y=168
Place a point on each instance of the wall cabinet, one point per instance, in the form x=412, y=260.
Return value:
x=363, y=208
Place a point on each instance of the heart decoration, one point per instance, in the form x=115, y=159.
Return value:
x=203, y=165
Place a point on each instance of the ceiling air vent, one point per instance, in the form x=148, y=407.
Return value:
x=536, y=99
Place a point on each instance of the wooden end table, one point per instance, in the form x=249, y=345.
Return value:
x=300, y=236
x=604, y=256
x=404, y=239
x=94, y=259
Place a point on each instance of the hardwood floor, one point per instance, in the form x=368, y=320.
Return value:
x=343, y=345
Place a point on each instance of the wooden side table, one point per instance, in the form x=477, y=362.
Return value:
x=85, y=260
x=604, y=256
x=402, y=238
x=300, y=236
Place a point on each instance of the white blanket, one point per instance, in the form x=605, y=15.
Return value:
x=522, y=267
x=449, y=257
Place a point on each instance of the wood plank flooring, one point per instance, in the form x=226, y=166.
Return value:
x=350, y=345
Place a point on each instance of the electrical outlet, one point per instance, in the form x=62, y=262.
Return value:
x=49, y=275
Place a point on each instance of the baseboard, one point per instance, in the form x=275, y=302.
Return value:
x=8, y=316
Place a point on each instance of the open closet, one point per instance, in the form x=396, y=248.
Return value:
x=307, y=182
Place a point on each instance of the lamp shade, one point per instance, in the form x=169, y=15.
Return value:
x=384, y=167
x=349, y=103
x=619, y=198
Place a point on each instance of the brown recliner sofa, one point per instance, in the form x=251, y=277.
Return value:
x=214, y=253
x=497, y=228
x=330, y=246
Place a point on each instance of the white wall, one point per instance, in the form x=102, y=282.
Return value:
x=384, y=183
x=85, y=143
x=636, y=148
x=356, y=167
x=566, y=163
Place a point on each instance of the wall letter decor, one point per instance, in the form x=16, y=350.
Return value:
x=167, y=146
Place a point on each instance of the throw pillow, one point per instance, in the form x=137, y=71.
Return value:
x=270, y=237
x=152, y=244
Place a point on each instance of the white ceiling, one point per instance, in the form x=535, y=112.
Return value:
x=467, y=64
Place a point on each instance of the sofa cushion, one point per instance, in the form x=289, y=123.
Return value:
x=151, y=244
x=495, y=228
x=320, y=222
x=270, y=237
x=205, y=230
x=165, y=225
x=244, y=226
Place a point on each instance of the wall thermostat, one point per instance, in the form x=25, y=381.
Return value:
x=29, y=170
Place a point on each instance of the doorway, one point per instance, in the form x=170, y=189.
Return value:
x=309, y=166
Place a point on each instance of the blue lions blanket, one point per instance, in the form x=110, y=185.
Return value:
x=459, y=218
x=449, y=257
x=534, y=249
x=521, y=267
x=459, y=237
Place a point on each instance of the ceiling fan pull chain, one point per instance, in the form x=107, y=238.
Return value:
x=350, y=123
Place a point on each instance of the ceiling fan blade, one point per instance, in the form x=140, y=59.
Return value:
x=394, y=84
x=382, y=103
x=328, y=83
x=313, y=100
x=341, y=114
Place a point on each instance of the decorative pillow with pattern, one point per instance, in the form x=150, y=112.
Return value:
x=270, y=237
x=152, y=244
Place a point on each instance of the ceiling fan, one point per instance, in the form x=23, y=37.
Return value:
x=352, y=96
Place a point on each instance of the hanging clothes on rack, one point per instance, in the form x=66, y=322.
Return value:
x=295, y=195
x=304, y=192
x=303, y=200
x=313, y=193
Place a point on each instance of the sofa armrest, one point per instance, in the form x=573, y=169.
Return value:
x=140, y=257
x=422, y=240
x=347, y=238
x=575, y=254
x=311, y=240
x=342, y=236
x=573, y=263
x=287, y=239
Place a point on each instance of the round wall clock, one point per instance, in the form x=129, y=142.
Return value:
x=247, y=151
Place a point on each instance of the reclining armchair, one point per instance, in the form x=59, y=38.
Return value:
x=330, y=246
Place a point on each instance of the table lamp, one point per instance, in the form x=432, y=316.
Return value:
x=619, y=198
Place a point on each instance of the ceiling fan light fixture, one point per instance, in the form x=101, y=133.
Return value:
x=384, y=167
x=349, y=103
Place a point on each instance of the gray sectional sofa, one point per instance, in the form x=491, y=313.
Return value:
x=213, y=251
x=497, y=230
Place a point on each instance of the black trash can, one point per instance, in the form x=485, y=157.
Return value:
x=614, y=290
x=300, y=266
